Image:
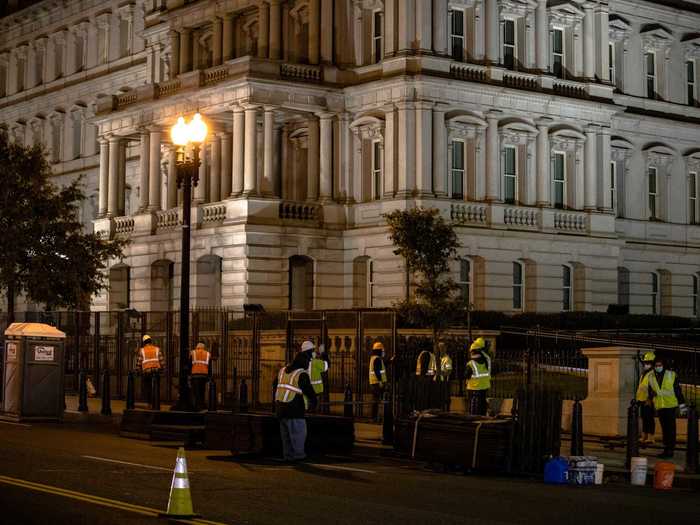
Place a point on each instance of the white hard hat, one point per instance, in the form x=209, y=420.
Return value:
x=307, y=345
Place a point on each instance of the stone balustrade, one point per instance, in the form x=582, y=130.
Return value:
x=300, y=211
x=123, y=225
x=520, y=217
x=469, y=72
x=572, y=222
x=301, y=72
x=469, y=213
x=213, y=213
x=168, y=219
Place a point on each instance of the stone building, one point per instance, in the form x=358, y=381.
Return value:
x=562, y=137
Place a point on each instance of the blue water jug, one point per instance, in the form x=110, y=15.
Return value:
x=556, y=471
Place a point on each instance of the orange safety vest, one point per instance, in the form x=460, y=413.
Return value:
x=150, y=358
x=200, y=362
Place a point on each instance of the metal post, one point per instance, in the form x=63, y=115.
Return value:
x=576, y=429
x=388, y=422
x=691, y=460
x=130, y=402
x=212, y=395
x=632, y=433
x=155, y=392
x=82, y=392
x=106, y=394
x=347, y=407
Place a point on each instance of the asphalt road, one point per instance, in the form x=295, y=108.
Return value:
x=75, y=475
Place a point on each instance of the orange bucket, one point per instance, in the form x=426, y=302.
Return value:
x=663, y=475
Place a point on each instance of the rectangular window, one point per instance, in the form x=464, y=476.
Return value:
x=58, y=59
x=696, y=295
x=653, y=192
x=378, y=36
x=102, y=43
x=376, y=170
x=20, y=74
x=509, y=51
x=124, y=37
x=693, y=198
x=457, y=34
x=559, y=180
x=613, y=186
x=650, y=61
x=370, y=284
x=518, y=283
x=611, y=62
x=79, y=53
x=510, y=175
x=690, y=72
x=465, y=280
x=558, y=53
x=655, y=293
x=457, y=169
x=39, y=66
x=566, y=289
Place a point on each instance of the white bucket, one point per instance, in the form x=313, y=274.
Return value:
x=599, y=469
x=638, y=468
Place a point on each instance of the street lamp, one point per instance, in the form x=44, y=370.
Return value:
x=185, y=134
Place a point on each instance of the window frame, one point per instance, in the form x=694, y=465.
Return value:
x=612, y=72
x=451, y=37
x=454, y=171
x=693, y=212
x=370, y=283
x=613, y=186
x=513, y=46
x=561, y=54
x=655, y=293
x=695, y=294
x=653, y=213
x=562, y=181
x=519, y=286
x=651, y=76
x=468, y=283
x=377, y=38
x=567, y=289
x=691, y=82
x=514, y=175
x=377, y=161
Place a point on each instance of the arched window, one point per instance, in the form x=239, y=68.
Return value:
x=518, y=285
x=301, y=283
x=119, y=287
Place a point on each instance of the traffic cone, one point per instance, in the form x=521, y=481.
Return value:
x=180, y=501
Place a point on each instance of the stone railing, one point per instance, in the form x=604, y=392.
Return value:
x=168, y=87
x=570, y=221
x=212, y=213
x=469, y=213
x=127, y=98
x=168, y=219
x=569, y=88
x=216, y=74
x=526, y=217
x=521, y=80
x=123, y=225
x=300, y=211
x=468, y=72
x=300, y=72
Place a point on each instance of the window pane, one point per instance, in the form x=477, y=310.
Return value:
x=508, y=57
x=566, y=271
x=558, y=195
x=509, y=189
x=464, y=266
x=458, y=155
x=558, y=41
x=650, y=64
x=457, y=184
x=509, y=32
x=517, y=274
x=457, y=48
x=652, y=180
x=458, y=22
x=559, y=166
x=612, y=175
x=566, y=299
x=558, y=68
x=693, y=190
x=510, y=161
x=654, y=283
x=378, y=23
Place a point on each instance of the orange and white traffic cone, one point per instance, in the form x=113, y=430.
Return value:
x=180, y=500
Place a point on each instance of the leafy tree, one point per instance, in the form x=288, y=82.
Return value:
x=46, y=254
x=427, y=243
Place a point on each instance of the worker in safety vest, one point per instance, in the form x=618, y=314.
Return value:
x=426, y=364
x=444, y=363
x=318, y=365
x=291, y=386
x=665, y=391
x=377, y=376
x=200, y=360
x=149, y=362
x=478, y=375
x=645, y=402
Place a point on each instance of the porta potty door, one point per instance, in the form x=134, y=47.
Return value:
x=43, y=379
x=12, y=377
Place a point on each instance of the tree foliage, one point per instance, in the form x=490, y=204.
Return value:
x=46, y=253
x=427, y=243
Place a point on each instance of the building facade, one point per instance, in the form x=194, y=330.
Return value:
x=561, y=137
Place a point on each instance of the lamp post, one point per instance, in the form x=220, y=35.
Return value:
x=183, y=134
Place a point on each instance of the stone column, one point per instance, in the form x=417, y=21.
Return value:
x=440, y=27
x=389, y=150
x=326, y=37
x=424, y=25
x=357, y=33
x=326, y=156
x=215, y=169
x=590, y=178
x=312, y=160
x=238, y=149
x=201, y=191
x=588, y=40
x=492, y=157
x=603, y=42
x=541, y=36
x=113, y=186
x=172, y=177
x=154, y=200
x=480, y=175
x=346, y=164
x=439, y=152
x=315, y=31
x=227, y=40
x=424, y=147
x=277, y=159
x=268, y=151
x=225, y=166
x=407, y=24
x=185, y=50
x=275, y=30
x=263, y=29
x=543, y=161
x=492, y=32
x=174, y=53
x=250, y=170
x=144, y=166
x=406, y=149
x=217, y=40
x=104, y=177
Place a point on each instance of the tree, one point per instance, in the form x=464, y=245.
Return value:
x=427, y=243
x=46, y=254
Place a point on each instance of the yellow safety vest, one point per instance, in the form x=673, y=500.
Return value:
x=288, y=385
x=150, y=358
x=481, y=376
x=643, y=388
x=372, y=376
x=200, y=362
x=665, y=396
x=446, y=365
x=316, y=368
x=432, y=365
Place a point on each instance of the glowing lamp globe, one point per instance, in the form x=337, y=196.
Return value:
x=198, y=129
x=180, y=133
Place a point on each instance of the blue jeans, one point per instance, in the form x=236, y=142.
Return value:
x=293, y=433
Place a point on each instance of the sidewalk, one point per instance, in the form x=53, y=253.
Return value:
x=71, y=414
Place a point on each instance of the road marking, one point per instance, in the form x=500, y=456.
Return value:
x=96, y=500
x=108, y=460
x=338, y=467
x=15, y=424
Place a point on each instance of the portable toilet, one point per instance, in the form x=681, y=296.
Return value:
x=33, y=372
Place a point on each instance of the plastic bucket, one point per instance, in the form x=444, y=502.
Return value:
x=638, y=469
x=599, y=469
x=663, y=475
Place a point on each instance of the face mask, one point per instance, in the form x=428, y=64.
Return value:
x=659, y=369
x=313, y=354
x=383, y=353
x=647, y=367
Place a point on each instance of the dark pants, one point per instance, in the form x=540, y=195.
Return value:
x=477, y=402
x=293, y=434
x=199, y=384
x=667, y=419
x=147, y=387
x=648, y=422
x=377, y=391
